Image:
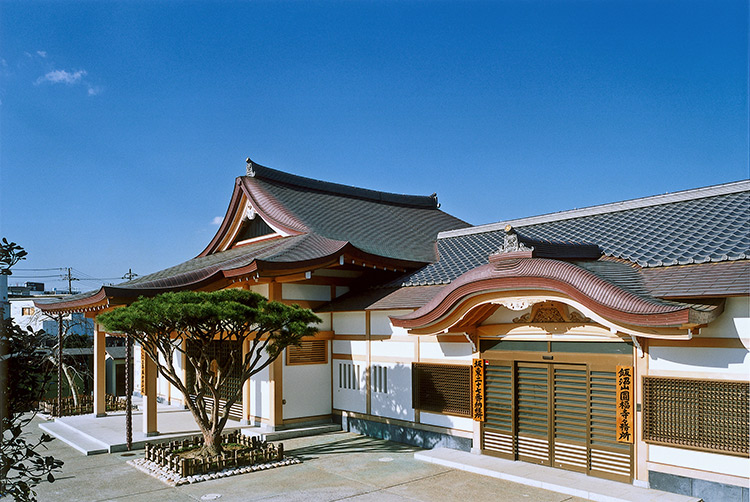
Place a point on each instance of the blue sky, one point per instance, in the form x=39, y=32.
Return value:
x=124, y=124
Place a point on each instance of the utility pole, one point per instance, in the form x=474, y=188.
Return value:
x=130, y=275
x=69, y=277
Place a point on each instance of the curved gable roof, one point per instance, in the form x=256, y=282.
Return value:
x=374, y=222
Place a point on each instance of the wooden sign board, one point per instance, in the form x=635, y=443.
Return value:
x=625, y=399
x=477, y=390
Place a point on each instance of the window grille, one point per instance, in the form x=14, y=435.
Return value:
x=710, y=415
x=308, y=352
x=442, y=388
x=380, y=379
x=349, y=376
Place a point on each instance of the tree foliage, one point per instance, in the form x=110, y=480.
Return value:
x=188, y=323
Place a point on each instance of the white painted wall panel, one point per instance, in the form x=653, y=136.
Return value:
x=312, y=292
x=349, y=391
x=386, y=348
x=353, y=347
x=445, y=350
x=260, y=395
x=137, y=368
x=380, y=322
x=326, y=324
x=307, y=390
x=705, y=461
x=349, y=323
x=734, y=322
x=701, y=360
x=261, y=289
x=390, y=390
x=449, y=421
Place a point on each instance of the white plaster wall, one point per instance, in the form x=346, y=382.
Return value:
x=734, y=322
x=726, y=362
x=310, y=292
x=349, y=399
x=137, y=368
x=177, y=362
x=387, y=348
x=260, y=394
x=307, y=390
x=326, y=324
x=705, y=461
x=504, y=315
x=449, y=421
x=261, y=289
x=396, y=401
x=450, y=351
x=349, y=323
x=380, y=322
x=353, y=347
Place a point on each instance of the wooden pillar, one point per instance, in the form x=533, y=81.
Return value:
x=276, y=372
x=148, y=367
x=100, y=371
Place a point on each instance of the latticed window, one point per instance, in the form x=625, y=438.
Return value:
x=442, y=388
x=709, y=415
x=219, y=352
x=307, y=352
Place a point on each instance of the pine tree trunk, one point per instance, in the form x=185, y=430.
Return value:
x=211, y=444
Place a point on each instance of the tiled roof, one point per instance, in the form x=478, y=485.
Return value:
x=700, y=226
x=402, y=227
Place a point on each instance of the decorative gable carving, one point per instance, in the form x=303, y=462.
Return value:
x=550, y=312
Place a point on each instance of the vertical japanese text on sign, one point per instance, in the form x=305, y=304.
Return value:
x=477, y=389
x=625, y=398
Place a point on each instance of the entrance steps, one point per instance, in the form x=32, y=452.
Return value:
x=279, y=435
x=86, y=444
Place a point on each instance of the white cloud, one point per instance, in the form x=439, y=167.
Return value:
x=217, y=220
x=93, y=91
x=42, y=54
x=62, y=77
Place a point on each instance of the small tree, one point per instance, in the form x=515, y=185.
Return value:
x=24, y=377
x=190, y=322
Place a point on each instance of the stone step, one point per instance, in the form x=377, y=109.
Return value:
x=78, y=440
x=312, y=430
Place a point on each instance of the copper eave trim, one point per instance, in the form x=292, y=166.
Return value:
x=559, y=278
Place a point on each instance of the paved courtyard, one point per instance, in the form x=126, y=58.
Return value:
x=336, y=466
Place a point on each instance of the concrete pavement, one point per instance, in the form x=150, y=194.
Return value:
x=336, y=466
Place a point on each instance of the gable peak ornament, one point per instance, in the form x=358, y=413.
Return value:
x=512, y=244
x=250, y=169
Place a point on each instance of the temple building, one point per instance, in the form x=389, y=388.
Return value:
x=612, y=340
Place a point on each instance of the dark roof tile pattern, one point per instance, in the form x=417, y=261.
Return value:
x=702, y=230
x=369, y=224
x=731, y=278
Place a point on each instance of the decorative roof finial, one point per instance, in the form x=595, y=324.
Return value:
x=512, y=243
x=250, y=167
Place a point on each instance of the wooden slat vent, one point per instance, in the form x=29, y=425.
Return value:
x=308, y=352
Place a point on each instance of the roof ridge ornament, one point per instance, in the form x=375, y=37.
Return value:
x=250, y=169
x=512, y=243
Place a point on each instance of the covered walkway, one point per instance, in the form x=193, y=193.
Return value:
x=92, y=435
